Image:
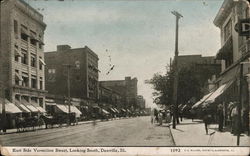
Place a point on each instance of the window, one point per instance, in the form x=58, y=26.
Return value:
x=33, y=60
x=41, y=83
x=33, y=81
x=17, y=77
x=227, y=30
x=51, y=71
x=24, y=34
x=25, y=82
x=15, y=27
x=24, y=57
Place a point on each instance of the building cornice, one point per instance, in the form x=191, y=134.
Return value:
x=224, y=11
x=29, y=11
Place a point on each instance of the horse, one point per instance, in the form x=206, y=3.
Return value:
x=48, y=120
x=20, y=124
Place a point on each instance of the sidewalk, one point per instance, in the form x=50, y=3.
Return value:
x=189, y=133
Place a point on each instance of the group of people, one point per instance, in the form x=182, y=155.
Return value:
x=160, y=116
x=232, y=118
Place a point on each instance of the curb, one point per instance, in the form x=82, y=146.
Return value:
x=170, y=129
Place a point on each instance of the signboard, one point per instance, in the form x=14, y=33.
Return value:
x=243, y=27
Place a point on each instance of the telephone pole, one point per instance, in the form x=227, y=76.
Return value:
x=68, y=66
x=175, y=67
x=2, y=85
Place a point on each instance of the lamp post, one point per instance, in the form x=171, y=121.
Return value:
x=178, y=16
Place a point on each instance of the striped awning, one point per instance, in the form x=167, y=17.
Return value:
x=9, y=107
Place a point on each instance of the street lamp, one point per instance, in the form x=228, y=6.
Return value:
x=178, y=16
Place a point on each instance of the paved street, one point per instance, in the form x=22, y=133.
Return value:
x=125, y=132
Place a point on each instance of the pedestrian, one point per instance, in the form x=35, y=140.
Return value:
x=220, y=117
x=234, y=115
x=206, y=120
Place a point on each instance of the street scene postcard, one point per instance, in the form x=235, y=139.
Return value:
x=124, y=77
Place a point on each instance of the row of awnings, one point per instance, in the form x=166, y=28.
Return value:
x=20, y=107
x=65, y=108
x=212, y=96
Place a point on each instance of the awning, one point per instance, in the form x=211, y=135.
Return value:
x=217, y=93
x=62, y=108
x=104, y=111
x=112, y=110
x=24, y=108
x=197, y=104
x=29, y=106
x=75, y=110
x=123, y=110
x=117, y=110
x=42, y=110
x=9, y=107
x=50, y=103
x=32, y=108
x=42, y=61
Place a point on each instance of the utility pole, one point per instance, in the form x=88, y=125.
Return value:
x=68, y=66
x=178, y=16
x=2, y=85
x=240, y=103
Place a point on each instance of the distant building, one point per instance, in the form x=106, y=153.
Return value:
x=22, y=61
x=188, y=60
x=83, y=72
x=127, y=88
x=109, y=97
x=141, y=103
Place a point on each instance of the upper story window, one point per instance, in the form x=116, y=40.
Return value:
x=24, y=57
x=25, y=79
x=33, y=81
x=15, y=27
x=227, y=30
x=24, y=33
x=33, y=60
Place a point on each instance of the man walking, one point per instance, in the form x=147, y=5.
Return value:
x=220, y=117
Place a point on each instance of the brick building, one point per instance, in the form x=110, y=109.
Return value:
x=83, y=72
x=22, y=61
x=127, y=88
x=109, y=98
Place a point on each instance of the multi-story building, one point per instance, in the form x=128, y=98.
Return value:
x=22, y=58
x=235, y=50
x=127, y=88
x=82, y=65
x=109, y=97
x=234, y=54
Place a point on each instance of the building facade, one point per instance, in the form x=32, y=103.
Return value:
x=231, y=87
x=127, y=88
x=22, y=58
x=80, y=64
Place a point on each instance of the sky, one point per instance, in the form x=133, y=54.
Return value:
x=138, y=35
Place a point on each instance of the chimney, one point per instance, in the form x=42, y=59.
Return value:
x=63, y=47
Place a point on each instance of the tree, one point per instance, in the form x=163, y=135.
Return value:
x=191, y=83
